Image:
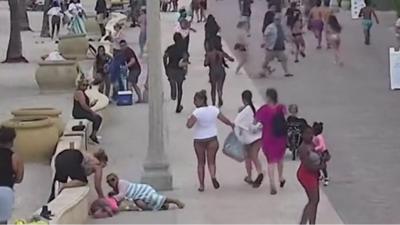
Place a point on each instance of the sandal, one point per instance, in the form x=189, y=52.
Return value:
x=258, y=181
x=282, y=183
x=94, y=139
x=215, y=183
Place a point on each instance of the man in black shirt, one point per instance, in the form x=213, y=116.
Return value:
x=175, y=64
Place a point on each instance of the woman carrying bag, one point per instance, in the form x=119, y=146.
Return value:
x=249, y=134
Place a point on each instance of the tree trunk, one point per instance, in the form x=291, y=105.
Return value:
x=14, y=51
x=45, y=24
x=24, y=16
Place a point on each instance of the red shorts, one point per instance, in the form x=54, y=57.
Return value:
x=308, y=179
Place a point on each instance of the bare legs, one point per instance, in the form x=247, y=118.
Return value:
x=300, y=47
x=336, y=48
x=252, y=158
x=310, y=210
x=242, y=60
x=271, y=175
x=206, y=151
x=318, y=36
x=217, y=88
x=173, y=201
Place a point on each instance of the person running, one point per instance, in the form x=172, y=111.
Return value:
x=204, y=122
x=316, y=22
x=274, y=44
x=82, y=108
x=246, y=14
x=272, y=118
x=241, y=46
x=334, y=30
x=72, y=167
x=184, y=27
x=211, y=29
x=326, y=13
x=175, y=72
x=366, y=13
x=142, y=22
x=215, y=61
x=144, y=195
x=11, y=172
x=308, y=174
x=296, y=27
x=249, y=134
x=203, y=10
x=134, y=68
x=100, y=67
x=101, y=15
x=55, y=14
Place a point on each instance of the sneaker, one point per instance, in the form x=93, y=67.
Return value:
x=326, y=181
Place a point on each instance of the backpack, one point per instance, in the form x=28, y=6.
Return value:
x=279, y=124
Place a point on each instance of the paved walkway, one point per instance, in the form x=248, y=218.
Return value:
x=235, y=202
x=360, y=113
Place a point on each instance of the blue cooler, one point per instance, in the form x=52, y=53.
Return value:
x=124, y=98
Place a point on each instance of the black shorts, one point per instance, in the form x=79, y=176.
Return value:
x=177, y=75
x=133, y=76
x=68, y=164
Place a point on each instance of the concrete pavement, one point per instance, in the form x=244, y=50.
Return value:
x=359, y=111
x=235, y=202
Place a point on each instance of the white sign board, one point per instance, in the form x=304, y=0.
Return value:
x=394, y=64
x=356, y=6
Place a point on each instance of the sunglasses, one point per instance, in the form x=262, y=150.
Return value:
x=112, y=180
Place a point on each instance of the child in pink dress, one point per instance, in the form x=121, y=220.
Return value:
x=320, y=147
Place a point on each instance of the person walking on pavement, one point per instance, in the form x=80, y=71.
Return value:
x=134, y=68
x=297, y=35
x=211, y=29
x=215, y=61
x=241, y=46
x=316, y=22
x=334, y=29
x=184, y=27
x=308, y=174
x=246, y=14
x=142, y=22
x=326, y=13
x=56, y=15
x=100, y=67
x=274, y=44
x=274, y=136
x=204, y=122
x=249, y=134
x=101, y=15
x=175, y=72
x=366, y=13
x=11, y=172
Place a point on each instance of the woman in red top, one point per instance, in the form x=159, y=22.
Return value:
x=308, y=174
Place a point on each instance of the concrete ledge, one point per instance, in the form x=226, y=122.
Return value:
x=70, y=207
x=85, y=133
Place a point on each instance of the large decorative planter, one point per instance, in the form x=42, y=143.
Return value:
x=36, y=138
x=92, y=27
x=56, y=76
x=51, y=113
x=74, y=46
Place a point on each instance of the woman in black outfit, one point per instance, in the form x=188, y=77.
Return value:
x=100, y=68
x=211, y=30
x=11, y=172
x=82, y=108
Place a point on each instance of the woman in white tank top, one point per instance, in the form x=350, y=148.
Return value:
x=204, y=123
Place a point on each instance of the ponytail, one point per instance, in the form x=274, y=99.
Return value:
x=248, y=97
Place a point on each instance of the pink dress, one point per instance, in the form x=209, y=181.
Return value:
x=319, y=143
x=273, y=147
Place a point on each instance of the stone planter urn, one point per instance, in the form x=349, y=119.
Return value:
x=57, y=76
x=95, y=95
x=73, y=46
x=36, y=138
x=52, y=113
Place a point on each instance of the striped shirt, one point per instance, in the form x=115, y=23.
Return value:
x=144, y=192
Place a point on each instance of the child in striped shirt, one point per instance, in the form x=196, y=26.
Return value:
x=144, y=196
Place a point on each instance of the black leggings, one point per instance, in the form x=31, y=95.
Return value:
x=55, y=25
x=176, y=88
x=95, y=119
x=324, y=172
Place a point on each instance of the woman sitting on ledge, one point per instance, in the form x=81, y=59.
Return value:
x=77, y=166
x=82, y=108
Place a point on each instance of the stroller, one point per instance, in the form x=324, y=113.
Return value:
x=294, y=129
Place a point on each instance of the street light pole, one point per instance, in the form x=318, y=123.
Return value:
x=156, y=166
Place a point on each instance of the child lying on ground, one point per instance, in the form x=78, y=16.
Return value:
x=108, y=207
x=144, y=196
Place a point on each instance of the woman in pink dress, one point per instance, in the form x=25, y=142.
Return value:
x=271, y=116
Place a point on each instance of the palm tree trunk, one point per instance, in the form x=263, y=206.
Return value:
x=24, y=16
x=45, y=24
x=14, y=50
